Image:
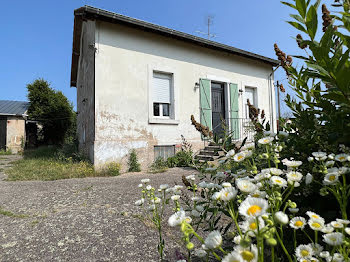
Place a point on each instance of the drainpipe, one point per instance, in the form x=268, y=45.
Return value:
x=272, y=120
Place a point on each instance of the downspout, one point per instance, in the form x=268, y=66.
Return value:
x=272, y=121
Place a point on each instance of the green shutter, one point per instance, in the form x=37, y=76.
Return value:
x=234, y=110
x=205, y=103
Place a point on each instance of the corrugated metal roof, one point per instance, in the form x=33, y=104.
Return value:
x=13, y=107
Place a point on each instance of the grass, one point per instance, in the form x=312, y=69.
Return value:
x=11, y=214
x=5, y=152
x=47, y=164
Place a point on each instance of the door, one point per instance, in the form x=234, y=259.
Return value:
x=249, y=94
x=3, y=131
x=218, y=108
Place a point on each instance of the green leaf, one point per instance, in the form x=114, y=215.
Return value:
x=297, y=26
x=301, y=7
x=311, y=22
x=317, y=4
x=289, y=4
x=298, y=18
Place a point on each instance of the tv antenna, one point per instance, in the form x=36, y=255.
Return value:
x=209, y=22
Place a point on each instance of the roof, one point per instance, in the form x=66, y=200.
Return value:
x=13, y=108
x=93, y=13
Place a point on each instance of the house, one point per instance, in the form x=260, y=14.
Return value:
x=13, y=116
x=139, y=83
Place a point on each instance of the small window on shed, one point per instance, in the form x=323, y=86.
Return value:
x=164, y=151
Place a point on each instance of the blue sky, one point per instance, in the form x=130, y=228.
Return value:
x=37, y=35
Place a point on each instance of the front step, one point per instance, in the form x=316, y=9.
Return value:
x=211, y=152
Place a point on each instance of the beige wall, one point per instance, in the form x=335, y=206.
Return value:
x=15, y=137
x=124, y=61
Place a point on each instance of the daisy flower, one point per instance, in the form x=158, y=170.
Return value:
x=175, y=197
x=140, y=202
x=265, y=140
x=248, y=253
x=278, y=181
x=327, y=229
x=330, y=179
x=239, y=157
x=200, y=253
x=249, y=146
x=347, y=230
x=304, y=251
x=246, y=186
x=230, y=153
x=191, y=177
x=177, y=218
x=145, y=181
x=226, y=184
x=213, y=240
x=258, y=193
x=313, y=215
x=233, y=257
x=319, y=154
x=316, y=224
x=317, y=248
x=341, y=157
x=333, y=239
x=337, y=224
x=252, y=225
x=308, y=178
x=293, y=210
x=253, y=207
x=294, y=176
x=216, y=196
x=281, y=218
x=343, y=221
x=164, y=186
x=276, y=171
x=297, y=222
x=293, y=163
x=228, y=193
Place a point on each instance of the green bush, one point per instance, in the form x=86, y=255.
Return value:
x=111, y=169
x=133, y=163
x=180, y=159
x=5, y=152
x=158, y=166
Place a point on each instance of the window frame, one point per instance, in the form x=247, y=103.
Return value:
x=173, y=108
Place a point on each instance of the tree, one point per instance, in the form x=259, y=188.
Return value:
x=51, y=109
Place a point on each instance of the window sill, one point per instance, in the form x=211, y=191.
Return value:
x=163, y=121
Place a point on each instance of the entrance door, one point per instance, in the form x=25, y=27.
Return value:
x=3, y=131
x=218, y=108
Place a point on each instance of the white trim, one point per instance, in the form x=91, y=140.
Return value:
x=173, y=119
x=218, y=78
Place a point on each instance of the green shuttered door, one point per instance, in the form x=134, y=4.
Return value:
x=205, y=103
x=234, y=110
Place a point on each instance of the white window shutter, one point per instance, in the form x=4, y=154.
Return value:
x=161, y=88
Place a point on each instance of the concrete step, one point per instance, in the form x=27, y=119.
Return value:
x=212, y=148
x=204, y=157
x=209, y=152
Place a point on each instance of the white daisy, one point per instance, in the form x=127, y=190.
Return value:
x=304, y=251
x=343, y=221
x=202, y=184
x=333, y=239
x=337, y=224
x=258, y=193
x=200, y=253
x=216, y=196
x=251, y=225
x=140, y=185
x=145, y=181
x=253, y=207
x=175, y=197
x=297, y=222
x=230, y=153
x=276, y=171
x=191, y=177
x=319, y=154
x=239, y=157
x=249, y=254
x=327, y=229
x=341, y=157
x=249, y=146
x=246, y=186
x=213, y=240
x=316, y=224
x=269, y=133
x=317, y=248
x=233, y=257
x=228, y=193
x=330, y=179
x=164, y=186
x=294, y=176
x=140, y=202
x=293, y=210
x=313, y=215
x=177, y=218
x=278, y=181
x=310, y=159
x=347, y=230
x=293, y=163
x=329, y=163
x=336, y=258
x=281, y=218
x=265, y=140
x=324, y=254
x=226, y=184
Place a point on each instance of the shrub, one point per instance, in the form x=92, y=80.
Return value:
x=181, y=159
x=158, y=166
x=5, y=152
x=111, y=169
x=133, y=163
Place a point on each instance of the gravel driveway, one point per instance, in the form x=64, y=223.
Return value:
x=90, y=219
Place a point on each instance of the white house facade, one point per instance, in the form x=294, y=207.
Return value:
x=138, y=85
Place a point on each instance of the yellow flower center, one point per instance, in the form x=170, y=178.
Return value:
x=247, y=255
x=298, y=223
x=341, y=158
x=255, y=195
x=304, y=253
x=253, y=209
x=253, y=226
x=226, y=194
x=266, y=140
x=315, y=216
x=239, y=157
x=315, y=224
x=278, y=181
x=331, y=178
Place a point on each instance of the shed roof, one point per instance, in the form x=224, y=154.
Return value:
x=93, y=13
x=13, y=108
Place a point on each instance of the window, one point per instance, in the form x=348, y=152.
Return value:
x=249, y=94
x=164, y=151
x=162, y=95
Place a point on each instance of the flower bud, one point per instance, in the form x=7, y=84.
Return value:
x=271, y=242
x=190, y=245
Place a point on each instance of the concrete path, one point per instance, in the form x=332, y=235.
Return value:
x=5, y=163
x=88, y=219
